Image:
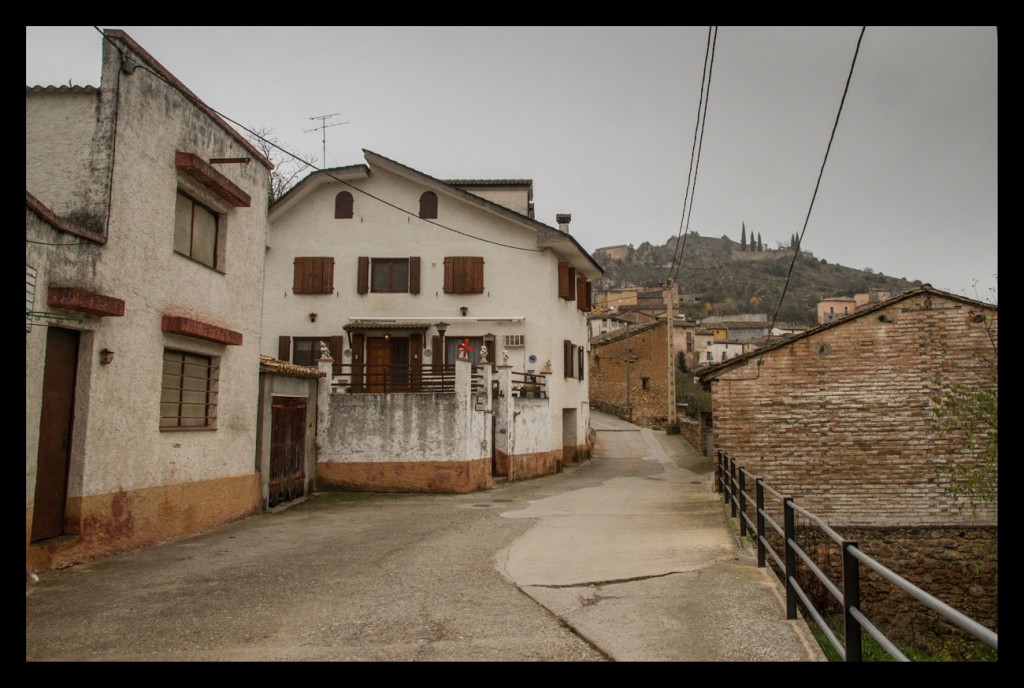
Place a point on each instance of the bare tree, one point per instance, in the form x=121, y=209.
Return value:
x=288, y=168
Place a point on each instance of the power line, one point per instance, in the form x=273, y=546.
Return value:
x=702, y=111
x=807, y=218
x=318, y=169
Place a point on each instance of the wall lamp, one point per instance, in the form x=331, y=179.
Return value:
x=106, y=356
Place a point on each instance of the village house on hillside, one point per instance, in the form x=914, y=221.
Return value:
x=840, y=417
x=145, y=226
x=399, y=274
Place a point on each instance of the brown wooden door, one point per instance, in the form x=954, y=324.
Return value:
x=378, y=360
x=55, y=426
x=287, y=449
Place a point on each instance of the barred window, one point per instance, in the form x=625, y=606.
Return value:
x=188, y=392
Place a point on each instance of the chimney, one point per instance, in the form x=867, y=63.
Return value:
x=563, y=220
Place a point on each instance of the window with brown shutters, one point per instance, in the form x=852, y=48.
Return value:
x=566, y=281
x=428, y=205
x=314, y=275
x=464, y=275
x=581, y=354
x=344, y=206
x=567, y=358
x=582, y=294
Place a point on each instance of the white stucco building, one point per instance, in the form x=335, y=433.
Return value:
x=392, y=269
x=145, y=227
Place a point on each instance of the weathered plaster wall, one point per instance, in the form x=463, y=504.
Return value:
x=117, y=446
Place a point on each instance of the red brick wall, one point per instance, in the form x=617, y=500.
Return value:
x=841, y=420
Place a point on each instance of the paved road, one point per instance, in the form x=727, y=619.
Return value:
x=628, y=557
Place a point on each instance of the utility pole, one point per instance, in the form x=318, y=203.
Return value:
x=323, y=127
x=669, y=297
x=629, y=362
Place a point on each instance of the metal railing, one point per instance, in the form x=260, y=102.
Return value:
x=387, y=379
x=398, y=379
x=529, y=385
x=732, y=480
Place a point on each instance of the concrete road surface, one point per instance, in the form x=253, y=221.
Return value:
x=628, y=557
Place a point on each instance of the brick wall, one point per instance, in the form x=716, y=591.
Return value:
x=841, y=419
x=608, y=375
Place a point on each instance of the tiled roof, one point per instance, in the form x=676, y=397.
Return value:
x=489, y=182
x=387, y=325
x=273, y=365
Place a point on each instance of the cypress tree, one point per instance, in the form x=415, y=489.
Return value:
x=743, y=238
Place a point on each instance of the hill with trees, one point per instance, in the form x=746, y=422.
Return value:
x=744, y=277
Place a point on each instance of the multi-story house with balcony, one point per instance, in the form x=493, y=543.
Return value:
x=399, y=273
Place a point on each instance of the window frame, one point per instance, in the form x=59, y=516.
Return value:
x=192, y=253
x=314, y=350
x=210, y=393
x=389, y=263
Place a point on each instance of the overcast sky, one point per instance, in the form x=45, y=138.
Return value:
x=602, y=120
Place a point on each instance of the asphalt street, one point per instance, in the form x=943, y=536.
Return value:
x=628, y=557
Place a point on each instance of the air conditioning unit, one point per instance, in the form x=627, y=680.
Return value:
x=513, y=340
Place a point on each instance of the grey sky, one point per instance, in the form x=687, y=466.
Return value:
x=602, y=119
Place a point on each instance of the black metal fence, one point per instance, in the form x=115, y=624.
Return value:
x=755, y=519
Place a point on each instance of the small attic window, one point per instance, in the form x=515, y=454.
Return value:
x=343, y=206
x=428, y=205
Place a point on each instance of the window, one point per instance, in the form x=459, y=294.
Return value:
x=514, y=341
x=464, y=275
x=711, y=356
x=344, y=206
x=306, y=351
x=645, y=383
x=313, y=275
x=195, y=231
x=389, y=275
x=428, y=205
x=573, y=357
x=188, y=392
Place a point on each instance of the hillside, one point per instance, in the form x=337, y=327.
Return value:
x=721, y=273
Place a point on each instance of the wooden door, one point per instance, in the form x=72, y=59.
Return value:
x=378, y=361
x=287, y=449
x=55, y=426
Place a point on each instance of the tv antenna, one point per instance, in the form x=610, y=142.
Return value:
x=323, y=127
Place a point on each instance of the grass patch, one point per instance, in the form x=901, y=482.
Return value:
x=952, y=649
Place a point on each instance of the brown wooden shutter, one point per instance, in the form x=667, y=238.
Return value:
x=583, y=294
x=357, y=362
x=428, y=205
x=326, y=275
x=363, y=276
x=476, y=266
x=582, y=361
x=284, y=348
x=566, y=281
x=415, y=360
x=437, y=359
x=414, y=275
x=449, y=275
x=338, y=353
x=590, y=295
x=343, y=205
x=567, y=358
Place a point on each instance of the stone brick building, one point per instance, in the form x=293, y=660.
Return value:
x=629, y=374
x=840, y=418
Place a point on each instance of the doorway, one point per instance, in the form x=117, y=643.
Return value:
x=55, y=428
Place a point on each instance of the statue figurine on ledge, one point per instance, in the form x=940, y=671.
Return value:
x=483, y=352
x=504, y=357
